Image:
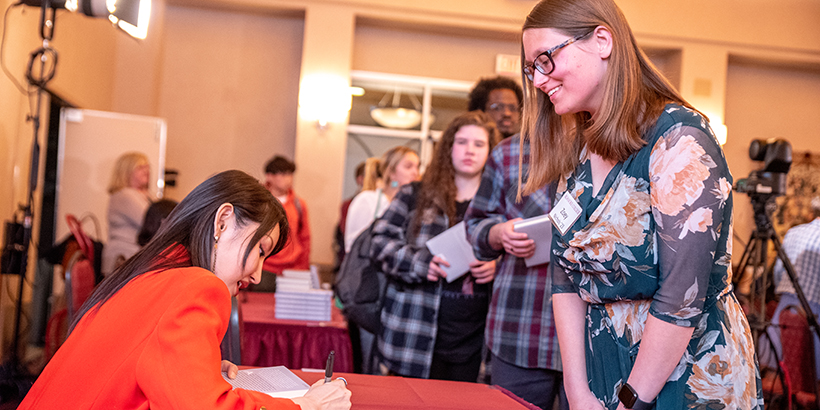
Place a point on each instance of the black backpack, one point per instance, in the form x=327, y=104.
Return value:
x=360, y=284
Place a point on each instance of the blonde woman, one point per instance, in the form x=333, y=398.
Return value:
x=383, y=178
x=126, y=207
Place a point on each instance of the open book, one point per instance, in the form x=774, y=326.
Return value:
x=275, y=381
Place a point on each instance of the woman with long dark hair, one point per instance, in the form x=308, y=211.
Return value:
x=432, y=328
x=149, y=335
x=641, y=252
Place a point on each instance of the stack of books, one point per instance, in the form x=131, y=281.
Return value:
x=307, y=304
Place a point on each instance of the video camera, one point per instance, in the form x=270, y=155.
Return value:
x=776, y=155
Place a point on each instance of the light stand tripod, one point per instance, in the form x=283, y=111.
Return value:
x=755, y=255
x=14, y=379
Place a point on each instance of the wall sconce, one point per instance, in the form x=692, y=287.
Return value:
x=718, y=127
x=325, y=98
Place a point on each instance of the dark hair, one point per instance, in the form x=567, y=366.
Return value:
x=360, y=169
x=191, y=226
x=438, y=187
x=154, y=216
x=481, y=92
x=280, y=165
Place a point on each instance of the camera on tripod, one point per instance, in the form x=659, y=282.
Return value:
x=776, y=155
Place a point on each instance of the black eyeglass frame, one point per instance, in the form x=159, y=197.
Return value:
x=529, y=69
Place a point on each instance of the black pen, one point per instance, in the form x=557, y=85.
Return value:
x=329, y=366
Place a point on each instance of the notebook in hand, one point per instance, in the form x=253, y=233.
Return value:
x=539, y=229
x=275, y=381
x=452, y=245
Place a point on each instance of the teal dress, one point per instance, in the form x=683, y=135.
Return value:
x=657, y=240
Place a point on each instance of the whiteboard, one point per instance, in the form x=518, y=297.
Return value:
x=89, y=144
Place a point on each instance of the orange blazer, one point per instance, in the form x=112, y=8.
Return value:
x=153, y=345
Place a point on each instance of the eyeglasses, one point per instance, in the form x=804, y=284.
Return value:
x=543, y=63
x=500, y=107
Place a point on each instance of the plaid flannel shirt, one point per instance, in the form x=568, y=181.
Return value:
x=520, y=326
x=410, y=313
x=802, y=246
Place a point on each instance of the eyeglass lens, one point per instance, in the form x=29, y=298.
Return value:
x=499, y=107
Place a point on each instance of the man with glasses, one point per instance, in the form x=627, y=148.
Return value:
x=500, y=97
x=520, y=332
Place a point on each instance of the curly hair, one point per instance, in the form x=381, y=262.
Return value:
x=438, y=187
x=481, y=92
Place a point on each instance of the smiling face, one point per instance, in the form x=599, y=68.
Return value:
x=470, y=149
x=576, y=84
x=231, y=246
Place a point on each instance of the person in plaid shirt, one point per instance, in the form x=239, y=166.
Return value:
x=520, y=329
x=802, y=246
x=433, y=328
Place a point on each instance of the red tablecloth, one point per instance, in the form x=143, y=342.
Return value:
x=400, y=393
x=295, y=344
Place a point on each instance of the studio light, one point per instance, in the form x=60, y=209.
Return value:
x=131, y=16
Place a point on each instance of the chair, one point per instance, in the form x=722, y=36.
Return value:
x=798, y=357
x=231, y=346
x=79, y=284
x=79, y=274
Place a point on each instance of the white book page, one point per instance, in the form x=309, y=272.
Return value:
x=452, y=246
x=275, y=381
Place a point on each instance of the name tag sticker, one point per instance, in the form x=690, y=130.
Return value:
x=565, y=213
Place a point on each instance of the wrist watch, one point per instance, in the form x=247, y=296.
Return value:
x=629, y=397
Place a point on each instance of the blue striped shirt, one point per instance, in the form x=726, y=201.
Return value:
x=802, y=246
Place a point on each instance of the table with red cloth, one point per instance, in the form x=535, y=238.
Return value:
x=401, y=393
x=295, y=344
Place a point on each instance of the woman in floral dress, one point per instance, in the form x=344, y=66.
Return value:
x=644, y=307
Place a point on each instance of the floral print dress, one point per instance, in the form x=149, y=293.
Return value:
x=657, y=239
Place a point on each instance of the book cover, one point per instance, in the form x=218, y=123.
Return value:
x=539, y=229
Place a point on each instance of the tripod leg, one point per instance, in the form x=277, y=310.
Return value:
x=787, y=264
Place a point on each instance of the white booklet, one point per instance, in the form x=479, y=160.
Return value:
x=539, y=229
x=275, y=381
x=452, y=246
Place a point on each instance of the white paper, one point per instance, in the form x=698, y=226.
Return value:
x=539, y=229
x=275, y=381
x=452, y=246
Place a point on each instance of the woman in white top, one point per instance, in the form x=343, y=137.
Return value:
x=126, y=208
x=383, y=178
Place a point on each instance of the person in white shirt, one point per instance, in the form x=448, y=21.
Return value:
x=383, y=178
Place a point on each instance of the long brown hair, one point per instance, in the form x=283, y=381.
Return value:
x=191, y=225
x=634, y=96
x=438, y=187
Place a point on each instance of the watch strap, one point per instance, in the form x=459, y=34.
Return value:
x=629, y=397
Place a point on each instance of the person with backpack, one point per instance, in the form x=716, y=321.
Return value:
x=382, y=179
x=431, y=328
x=296, y=255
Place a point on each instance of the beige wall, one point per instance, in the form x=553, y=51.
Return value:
x=228, y=89
x=765, y=101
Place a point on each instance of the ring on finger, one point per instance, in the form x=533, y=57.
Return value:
x=342, y=379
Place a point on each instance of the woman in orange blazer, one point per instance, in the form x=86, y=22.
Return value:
x=149, y=335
